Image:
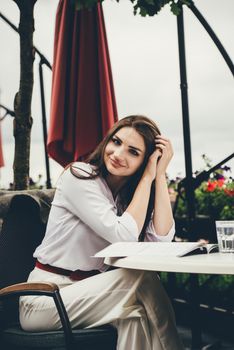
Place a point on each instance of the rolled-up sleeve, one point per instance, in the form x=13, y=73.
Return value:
x=152, y=236
x=86, y=200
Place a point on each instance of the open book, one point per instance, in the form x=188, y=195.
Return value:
x=176, y=249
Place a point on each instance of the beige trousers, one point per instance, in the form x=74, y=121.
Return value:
x=133, y=301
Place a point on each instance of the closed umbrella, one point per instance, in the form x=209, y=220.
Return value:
x=83, y=103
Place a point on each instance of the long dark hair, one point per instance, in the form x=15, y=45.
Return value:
x=148, y=130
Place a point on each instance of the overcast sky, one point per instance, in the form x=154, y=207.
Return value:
x=144, y=58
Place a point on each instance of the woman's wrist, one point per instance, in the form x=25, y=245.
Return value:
x=146, y=177
x=160, y=176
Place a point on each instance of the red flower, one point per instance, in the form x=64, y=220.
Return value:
x=220, y=182
x=211, y=185
x=229, y=192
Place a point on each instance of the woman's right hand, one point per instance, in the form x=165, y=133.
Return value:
x=150, y=169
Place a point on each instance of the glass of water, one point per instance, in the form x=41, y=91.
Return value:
x=225, y=236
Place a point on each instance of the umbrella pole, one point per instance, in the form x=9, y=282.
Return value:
x=48, y=180
x=186, y=127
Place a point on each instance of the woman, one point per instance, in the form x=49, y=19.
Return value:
x=120, y=194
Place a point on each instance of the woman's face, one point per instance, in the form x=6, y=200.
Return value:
x=125, y=152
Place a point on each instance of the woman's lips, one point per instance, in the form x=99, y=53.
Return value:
x=115, y=164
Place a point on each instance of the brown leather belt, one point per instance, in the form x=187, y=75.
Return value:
x=77, y=275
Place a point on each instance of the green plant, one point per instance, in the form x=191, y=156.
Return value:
x=213, y=198
x=142, y=7
x=217, y=289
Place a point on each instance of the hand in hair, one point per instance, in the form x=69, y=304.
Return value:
x=150, y=169
x=166, y=152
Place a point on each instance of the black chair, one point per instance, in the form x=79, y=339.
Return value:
x=23, y=228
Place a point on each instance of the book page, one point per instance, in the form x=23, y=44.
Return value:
x=123, y=249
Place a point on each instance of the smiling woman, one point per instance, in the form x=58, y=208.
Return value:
x=145, y=78
x=110, y=198
x=121, y=157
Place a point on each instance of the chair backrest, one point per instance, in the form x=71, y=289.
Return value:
x=25, y=216
x=22, y=230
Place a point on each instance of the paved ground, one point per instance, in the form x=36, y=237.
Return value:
x=210, y=341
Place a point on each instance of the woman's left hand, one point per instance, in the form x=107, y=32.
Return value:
x=164, y=145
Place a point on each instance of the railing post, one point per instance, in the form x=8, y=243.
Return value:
x=189, y=188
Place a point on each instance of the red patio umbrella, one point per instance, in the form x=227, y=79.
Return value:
x=83, y=103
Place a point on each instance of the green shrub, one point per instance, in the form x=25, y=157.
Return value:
x=213, y=198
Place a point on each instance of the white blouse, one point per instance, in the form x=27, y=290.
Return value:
x=83, y=220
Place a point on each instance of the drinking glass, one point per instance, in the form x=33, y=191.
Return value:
x=225, y=235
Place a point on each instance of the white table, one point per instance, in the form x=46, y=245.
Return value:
x=214, y=263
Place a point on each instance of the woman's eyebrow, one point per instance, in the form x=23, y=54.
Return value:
x=132, y=147
x=135, y=148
